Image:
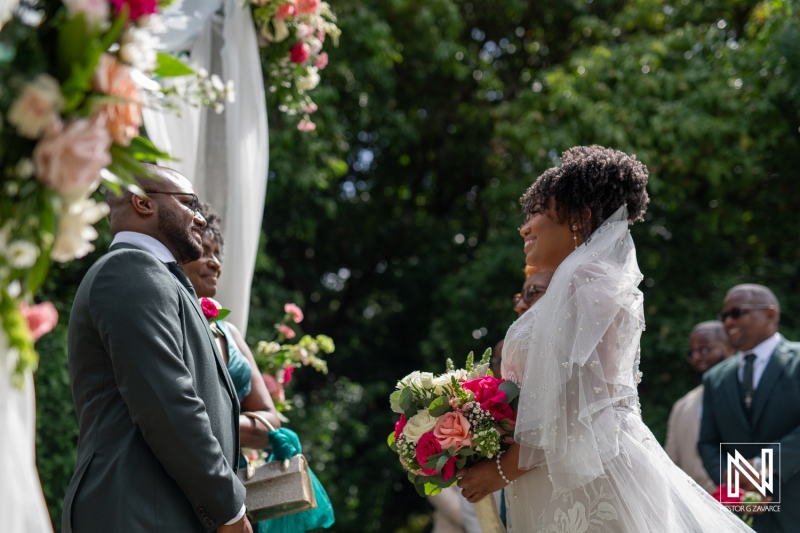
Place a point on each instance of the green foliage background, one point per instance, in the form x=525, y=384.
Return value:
x=394, y=224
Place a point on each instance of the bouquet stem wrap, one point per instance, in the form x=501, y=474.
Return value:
x=488, y=516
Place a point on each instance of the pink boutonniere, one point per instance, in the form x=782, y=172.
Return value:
x=213, y=312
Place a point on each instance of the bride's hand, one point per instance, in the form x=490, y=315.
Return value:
x=479, y=480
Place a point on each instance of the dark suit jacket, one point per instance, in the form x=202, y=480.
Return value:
x=158, y=415
x=775, y=419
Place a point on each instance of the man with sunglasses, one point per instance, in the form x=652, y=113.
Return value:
x=535, y=286
x=708, y=345
x=754, y=399
x=158, y=415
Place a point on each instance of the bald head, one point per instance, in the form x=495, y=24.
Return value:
x=163, y=206
x=751, y=314
x=755, y=294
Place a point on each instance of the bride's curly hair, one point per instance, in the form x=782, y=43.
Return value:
x=599, y=178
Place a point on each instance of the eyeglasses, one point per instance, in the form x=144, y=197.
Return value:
x=528, y=295
x=737, y=312
x=195, y=200
x=703, y=351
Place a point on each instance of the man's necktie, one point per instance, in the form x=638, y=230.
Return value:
x=181, y=275
x=748, y=380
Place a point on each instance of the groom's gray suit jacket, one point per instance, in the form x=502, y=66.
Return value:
x=158, y=414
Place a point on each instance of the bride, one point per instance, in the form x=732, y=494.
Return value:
x=583, y=460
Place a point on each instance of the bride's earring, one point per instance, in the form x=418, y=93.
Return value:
x=575, y=236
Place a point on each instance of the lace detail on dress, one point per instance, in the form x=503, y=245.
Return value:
x=577, y=516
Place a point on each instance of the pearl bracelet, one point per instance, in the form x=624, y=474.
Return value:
x=500, y=468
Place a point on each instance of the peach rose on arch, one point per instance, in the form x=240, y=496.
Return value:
x=452, y=429
x=124, y=117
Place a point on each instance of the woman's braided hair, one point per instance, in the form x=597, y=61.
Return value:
x=599, y=178
x=213, y=224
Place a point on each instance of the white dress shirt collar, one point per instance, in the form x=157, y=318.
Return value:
x=147, y=243
x=763, y=353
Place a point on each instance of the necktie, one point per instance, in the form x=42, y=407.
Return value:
x=181, y=275
x=748, y=379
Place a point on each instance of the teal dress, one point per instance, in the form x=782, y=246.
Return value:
x=322, y=516
x=238, y=365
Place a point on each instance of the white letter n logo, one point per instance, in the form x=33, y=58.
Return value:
x=738, y=464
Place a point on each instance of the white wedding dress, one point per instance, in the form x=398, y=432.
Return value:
x=596, y=467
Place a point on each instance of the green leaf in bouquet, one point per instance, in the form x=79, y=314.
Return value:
x=511, y=390
x=487, y=356
x=441, y=462
x=171, y=67
x=461, y=463
x=222, y=314
x=465, y=452
x=433, y=460
x=432, y=489
x=406, y=399
x=470, y=366
x=394, y=401
x=391, y=441
x=439, y=406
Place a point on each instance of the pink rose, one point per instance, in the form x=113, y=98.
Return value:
x=299, y=53
x=69, y=158
x=489, y=396
x=286, y=10
x=124, y=116
x=274, y=388
x=42, y=318
x=287, y=375
x=306, y=125
x=452, y=429
x=427, y=445
x=136, y=8
x=307, y=7
x=210, y=308
x=287, y=331
x=322, y=61
x=37, y=107
x=398, y=427
x=292, y=309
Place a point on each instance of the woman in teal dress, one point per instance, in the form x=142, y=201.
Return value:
x=250, y=387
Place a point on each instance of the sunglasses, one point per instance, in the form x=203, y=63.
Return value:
x=195, y=201
x=528, y=295
x=737, y=312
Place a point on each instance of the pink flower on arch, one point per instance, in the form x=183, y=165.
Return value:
x=294, y=310
x=287, y=375
x=307, y=7
x=299, y=53
x=287, y=331
x=137, y=8
x=322, y=61
x=42, y=318
x=286, y=10
x=306, y=125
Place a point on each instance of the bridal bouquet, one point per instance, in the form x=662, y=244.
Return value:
x=450, y=420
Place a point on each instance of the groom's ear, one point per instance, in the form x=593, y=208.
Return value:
x=142, y=205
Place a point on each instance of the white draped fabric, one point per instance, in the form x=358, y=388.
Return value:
x=22, y=506
x=225, y=156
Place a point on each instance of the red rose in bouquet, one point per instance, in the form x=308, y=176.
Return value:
x=489, y=396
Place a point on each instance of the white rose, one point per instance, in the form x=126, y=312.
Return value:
x=310, y=81
x=441, y=382
x=137, y=47
x=75, y=231
x=426, y=380
x=38, y=106
x=21, y=254
x=410, y=380
x=419, y=424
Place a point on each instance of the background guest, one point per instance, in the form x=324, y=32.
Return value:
x=708, y=345
x=754, y=397
x=536, y=283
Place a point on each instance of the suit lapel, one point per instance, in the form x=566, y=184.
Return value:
x=769, y=378
x=733, y=390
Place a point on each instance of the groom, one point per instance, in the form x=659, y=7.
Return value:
x=157, y=412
